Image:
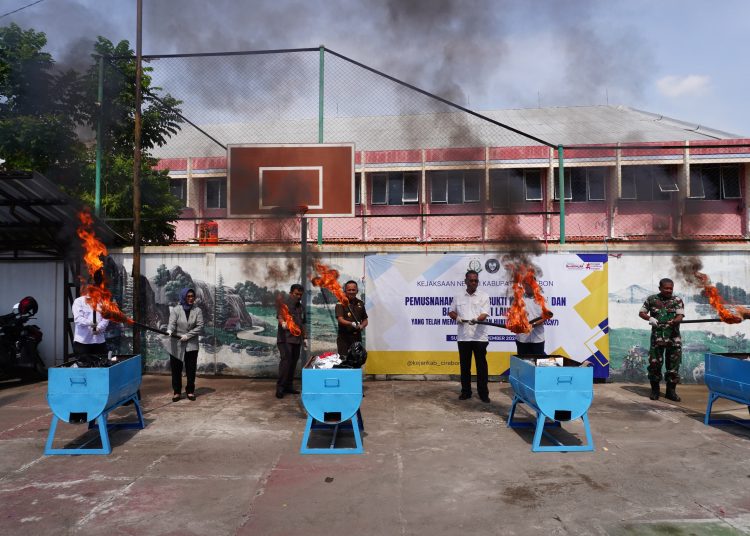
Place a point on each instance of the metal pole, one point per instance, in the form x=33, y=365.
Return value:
x=305, y=287
x=321, y=95
x=561, y=187
x=137, y=184
x=100, y=100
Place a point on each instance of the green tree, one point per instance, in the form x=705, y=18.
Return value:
x=43, y=109
x=162, y=276
x=40, y=109
x=160, y=118
x=221, y=303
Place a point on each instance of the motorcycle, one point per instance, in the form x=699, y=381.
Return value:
x=19, y=342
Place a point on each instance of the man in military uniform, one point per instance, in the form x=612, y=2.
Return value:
x=352, y=319
x=664, y=312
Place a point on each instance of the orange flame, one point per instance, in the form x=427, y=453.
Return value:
x=717, y=302
x=99, y=296
x=329, y=280
x=518, y=318
x=288, y=318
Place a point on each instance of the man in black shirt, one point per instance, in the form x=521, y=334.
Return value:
x=352, y=319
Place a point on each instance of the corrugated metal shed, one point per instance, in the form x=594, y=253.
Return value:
x=564, y=125
x=37, y=220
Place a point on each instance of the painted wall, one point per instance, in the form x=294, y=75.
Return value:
x=43, y=281
x=240, y=334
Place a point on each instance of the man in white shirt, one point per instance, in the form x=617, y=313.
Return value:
x=90, y=326
x=531, y=343
x=468, y=308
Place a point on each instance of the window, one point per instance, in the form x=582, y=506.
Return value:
x=509, y=186
x=715, y=182
x=583, y=184
x=178, y=188
x=357, y=188
x=648, y=183
x=216, y=193
x=455, y=187
x=395, y=188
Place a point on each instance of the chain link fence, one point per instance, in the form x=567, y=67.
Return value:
x=428, y=170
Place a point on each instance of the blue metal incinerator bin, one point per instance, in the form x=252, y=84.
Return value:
x=558, y=393
x=332, y=398
x=727, y=376
x=78, y=394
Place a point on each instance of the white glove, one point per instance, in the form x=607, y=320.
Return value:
x=355, y=325
x=653, y=321
x=284, y=326
x=169, y=332
x=184, y=338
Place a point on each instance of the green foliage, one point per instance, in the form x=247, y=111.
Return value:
x=220, y=303
x=252, y=293
x=40, y=109
x=162, y=276
x=42, y=113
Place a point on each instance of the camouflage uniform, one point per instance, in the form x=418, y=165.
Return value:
x=666, y=343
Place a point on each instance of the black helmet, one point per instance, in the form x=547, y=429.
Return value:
x=357, y=356
x=28, y=306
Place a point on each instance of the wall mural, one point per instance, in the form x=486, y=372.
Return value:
x=237, y=295
x=633, y=277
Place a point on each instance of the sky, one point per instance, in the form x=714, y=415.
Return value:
x=685, y=59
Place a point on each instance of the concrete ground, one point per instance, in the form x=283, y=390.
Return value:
x=229, y=463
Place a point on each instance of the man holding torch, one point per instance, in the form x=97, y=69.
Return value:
x=289, y=338
x=90, y=324
x=352, y=319
x=469, y=308
x=664, y=312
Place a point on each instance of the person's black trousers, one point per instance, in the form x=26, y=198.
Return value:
x=191, y=360
x=479, y=349
x=287, y=365
x=530, y=348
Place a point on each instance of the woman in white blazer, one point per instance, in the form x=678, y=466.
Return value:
x=185, y=321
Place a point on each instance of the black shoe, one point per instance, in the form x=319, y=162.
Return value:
x=279, y=393
x=191, y=397
x=654, y=391
x=672, y=393
x=485, y=399
x=464, y=396
x=291, y=391
x=176, y=397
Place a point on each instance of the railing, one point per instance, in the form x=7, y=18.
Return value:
x=587, y=224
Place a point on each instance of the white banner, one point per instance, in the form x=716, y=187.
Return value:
x=409, y=296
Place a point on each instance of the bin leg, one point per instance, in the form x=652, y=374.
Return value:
x=306, y=436
x=536, y=444
x=356, y=426
x=711, y=399
x=51, y=436
x=512, y=412
x=101, y=420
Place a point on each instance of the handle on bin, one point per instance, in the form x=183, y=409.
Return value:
x=565, y=379
x=331, y=382
x=79, y=381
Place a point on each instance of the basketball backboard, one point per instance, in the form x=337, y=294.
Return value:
x=313, y=180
